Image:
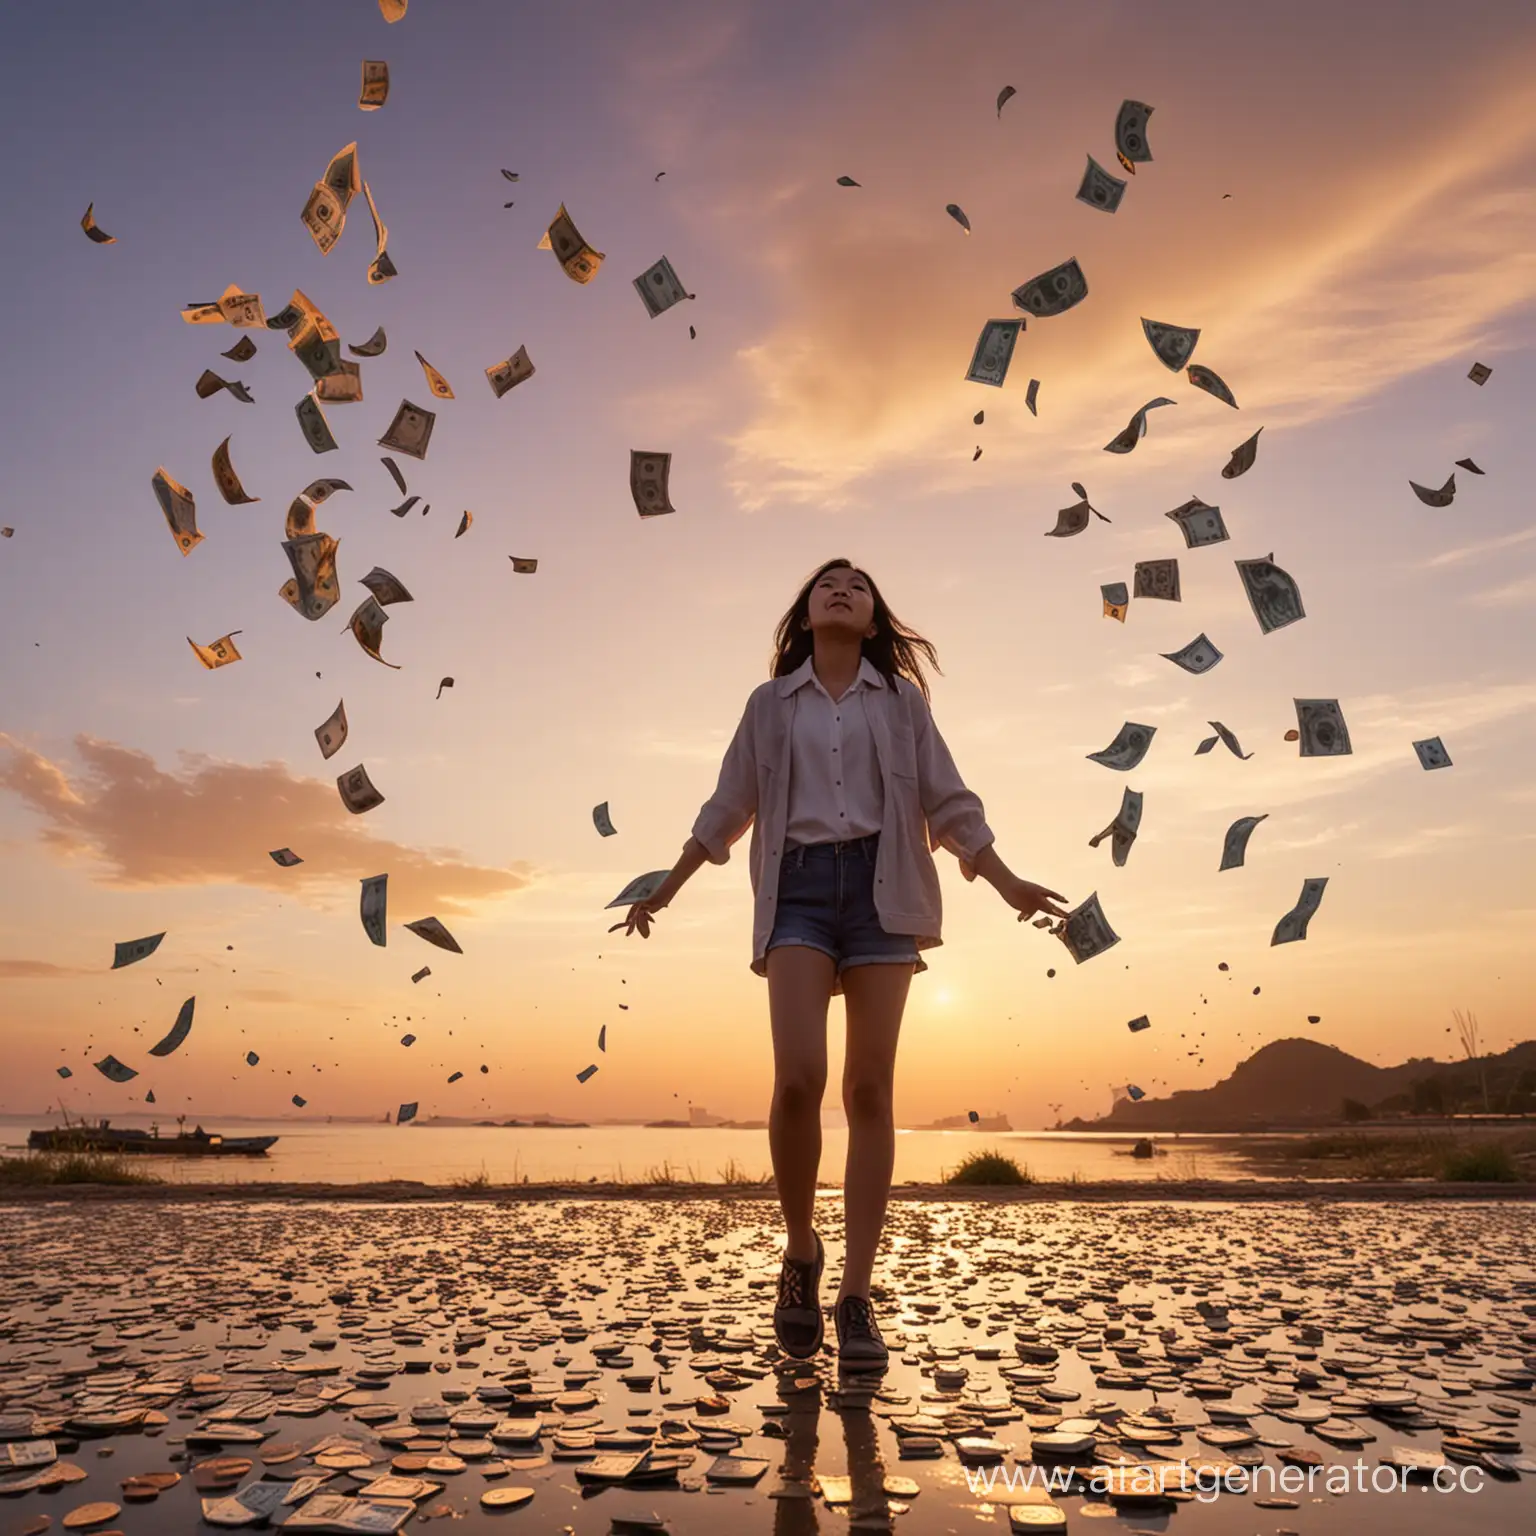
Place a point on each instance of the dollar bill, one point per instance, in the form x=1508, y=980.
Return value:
x=1441, y=498
x=217, y=653
x=344, y=387
x=1007, y=92
x=1242, y=458
x=641, y=888
x=1469, y=466
x=1272, y=594
x=1117, y=600
x=1127, y=749
x=602, y=821
x=1138, y=1024
x=1197, y=657
x=1322, y=727
x=374, y=906
x=318, y=348
x=957, y=213
x=1211, y=382
x=1123, y=829
x=1234, y=847
x=312, y=422
x=464, y=523
x=1099, y=189
x=1228, y=740
x=1206, y=745
x=1432, y=753
x=1479, y=373
x=357, y=791
x=659, y=288
x=375, y=87
x=435, y=381
x=1293, y=925
x=114, y=1070
x=422, y=975
x=1136, y=428
x=410, y=431
x=447, y=682
x=1172, y=343
x=381, y=268
x=1086, y=931
x=579, y=260
x=1131, y=134
x=242, y=310
x=1031, y=395
x=393, y=10
x=1069, y=520
x=433, y=932
x=324, y=217
x=994, y=351
x=6, y=533
x=285, y=858
x=394, y=470
x=386, y=588
x=342, y=175
x=1200, y=524
x=405, y=506
x=178, y=1031
x=101, y=237
x=318, y=491
x=131, y=951
x=649, y=474
x=301, y=518
x=242, y=351
x=180, y=509
x=1157, y=578
x=332, y=735
x=289, y=316
x=1053, y=292
x=210, y=384
x=373, y=347
x=511, y=372
x=367, y=625
x=314, y=588
x=523, y=565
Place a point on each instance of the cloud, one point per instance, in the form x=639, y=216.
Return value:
x=39, y=970
x=1478, y=550
x=1507, y=595
x=215, y=823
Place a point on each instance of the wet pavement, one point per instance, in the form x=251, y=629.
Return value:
x=609, y=1365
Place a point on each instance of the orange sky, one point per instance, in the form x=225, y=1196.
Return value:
x=1379, y=237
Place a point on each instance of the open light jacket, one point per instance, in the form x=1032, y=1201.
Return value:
x=926, y=805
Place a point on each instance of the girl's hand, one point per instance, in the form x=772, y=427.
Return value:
x=1028, y=898
x=640, y=916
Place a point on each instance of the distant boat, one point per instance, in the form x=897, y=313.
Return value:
x=105, y=1137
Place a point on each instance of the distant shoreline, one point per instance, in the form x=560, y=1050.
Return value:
x=1246, y=1191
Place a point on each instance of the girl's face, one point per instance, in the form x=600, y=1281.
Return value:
x=842, y=602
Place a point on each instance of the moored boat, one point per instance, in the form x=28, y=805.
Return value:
x=106, y=1137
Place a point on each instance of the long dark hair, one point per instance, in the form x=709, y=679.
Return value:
x=893, y=651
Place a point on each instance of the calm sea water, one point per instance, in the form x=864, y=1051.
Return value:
x=308, y=1152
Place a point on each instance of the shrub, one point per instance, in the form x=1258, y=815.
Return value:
x=39, y=1168
x=989, y=1168
x=1487, y=1164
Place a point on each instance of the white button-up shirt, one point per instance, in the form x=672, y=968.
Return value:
x=835, y=790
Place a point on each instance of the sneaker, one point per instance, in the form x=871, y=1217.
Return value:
x=797, y=1319
x=858, y=1335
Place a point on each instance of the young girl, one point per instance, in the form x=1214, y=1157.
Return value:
x=841, y=772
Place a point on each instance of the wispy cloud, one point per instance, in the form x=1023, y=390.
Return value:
x=39, y=970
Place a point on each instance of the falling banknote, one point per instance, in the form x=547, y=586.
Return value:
x=178, y=1031
x=367, y=625
x=1441, y=498
x=357, y=791
x=1197, y=657
x=509, y=373
x=1122, y=830
x=1086, y=931
x=1272, y=594
x=433, y=932
x=227, y=480
x=602, y=821
x=994, y=351
x=284, y=858
x=1127, y=749
x=180, y=509
x=1199, y=523
x=386, y=587
x=410, y=431
x=1099, y=189
x=1212, y=383
x=374, y=906
x=1293, y=925
x=1228, y=740
x=332, y=735
x=1242, y=458
x=641, y=888
x=130, y=951
x=1432, y=753
x=1053, y=292
x=1116, y=600
x=312, y=422
x=101, y=237
x=1234, y=846
x=1172, y=343
x=1322, y=727
x=373, y=347
x=649, y=474
x=579, y=260
x=1131, y=134
x=375, y=88
x=314, y=588
x=1158, y=578
x=217, y=653
x=660, y=288
x=1136, y=428
x=112, y=1069
x=435, y=381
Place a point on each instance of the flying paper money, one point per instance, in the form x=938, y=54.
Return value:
x=1196, y=657
x=1322, y=727
x=1070, y=520
x=410, y=431
x=447, y=682
x=1138, y=1024
x=1272, y=594
x=1136, y=428
x=227, y=480
x=1242, y=458
x=1127, y=749
x=1131, y=134
x=601, y=820
x=1469, y=466
x=1441, y=498
x=660, y=288
x=101, y=237
x=112, y=1069
x=319, y=491
x=404, y=1116
x=217, y=653
x=242, y=351
x=1053, y=292
x=1293, y=925
x=367, y=626
x=386, y=587
x=1229, y=740
x=509, y=373
x=285, y=857
x=131, y=951
x=1157, y=578
x=357, y=791
x=373, y=347
x=1003, y=95
x=421, y=975
x=375, y=88
x=1432, y=753
x=579, y=260
x=180, y=509
x=1030, y=396
x=344, y=386
x=312, y=422
x=1479, y=373
x=178, y=1032
x=433, y=932
x=957, y=213
x=1122, y=830
x=649, y=474
x=1212, y=383
x=1171, y=343
x=325, y=211
x=1116, y=600
x=1200, y=524
x=209, y=383
x=373, y=906
x=994, y=351
x=585, y=1073
x=435, y=381
x=523, y=565
x=464, y=523
x=1086, y=931
x=1234, y=846
x=1099, y=189
x=641, y=888
x=393, y=10
x=332, y=734
x=314, y=588
x=848, y=181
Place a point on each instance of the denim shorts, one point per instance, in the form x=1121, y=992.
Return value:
x=827, y=902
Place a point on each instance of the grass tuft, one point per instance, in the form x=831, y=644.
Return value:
x=989, y=1168
x=34, y=1169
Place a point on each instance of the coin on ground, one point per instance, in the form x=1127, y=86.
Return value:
x=91, y=1514
x=505, y=1498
